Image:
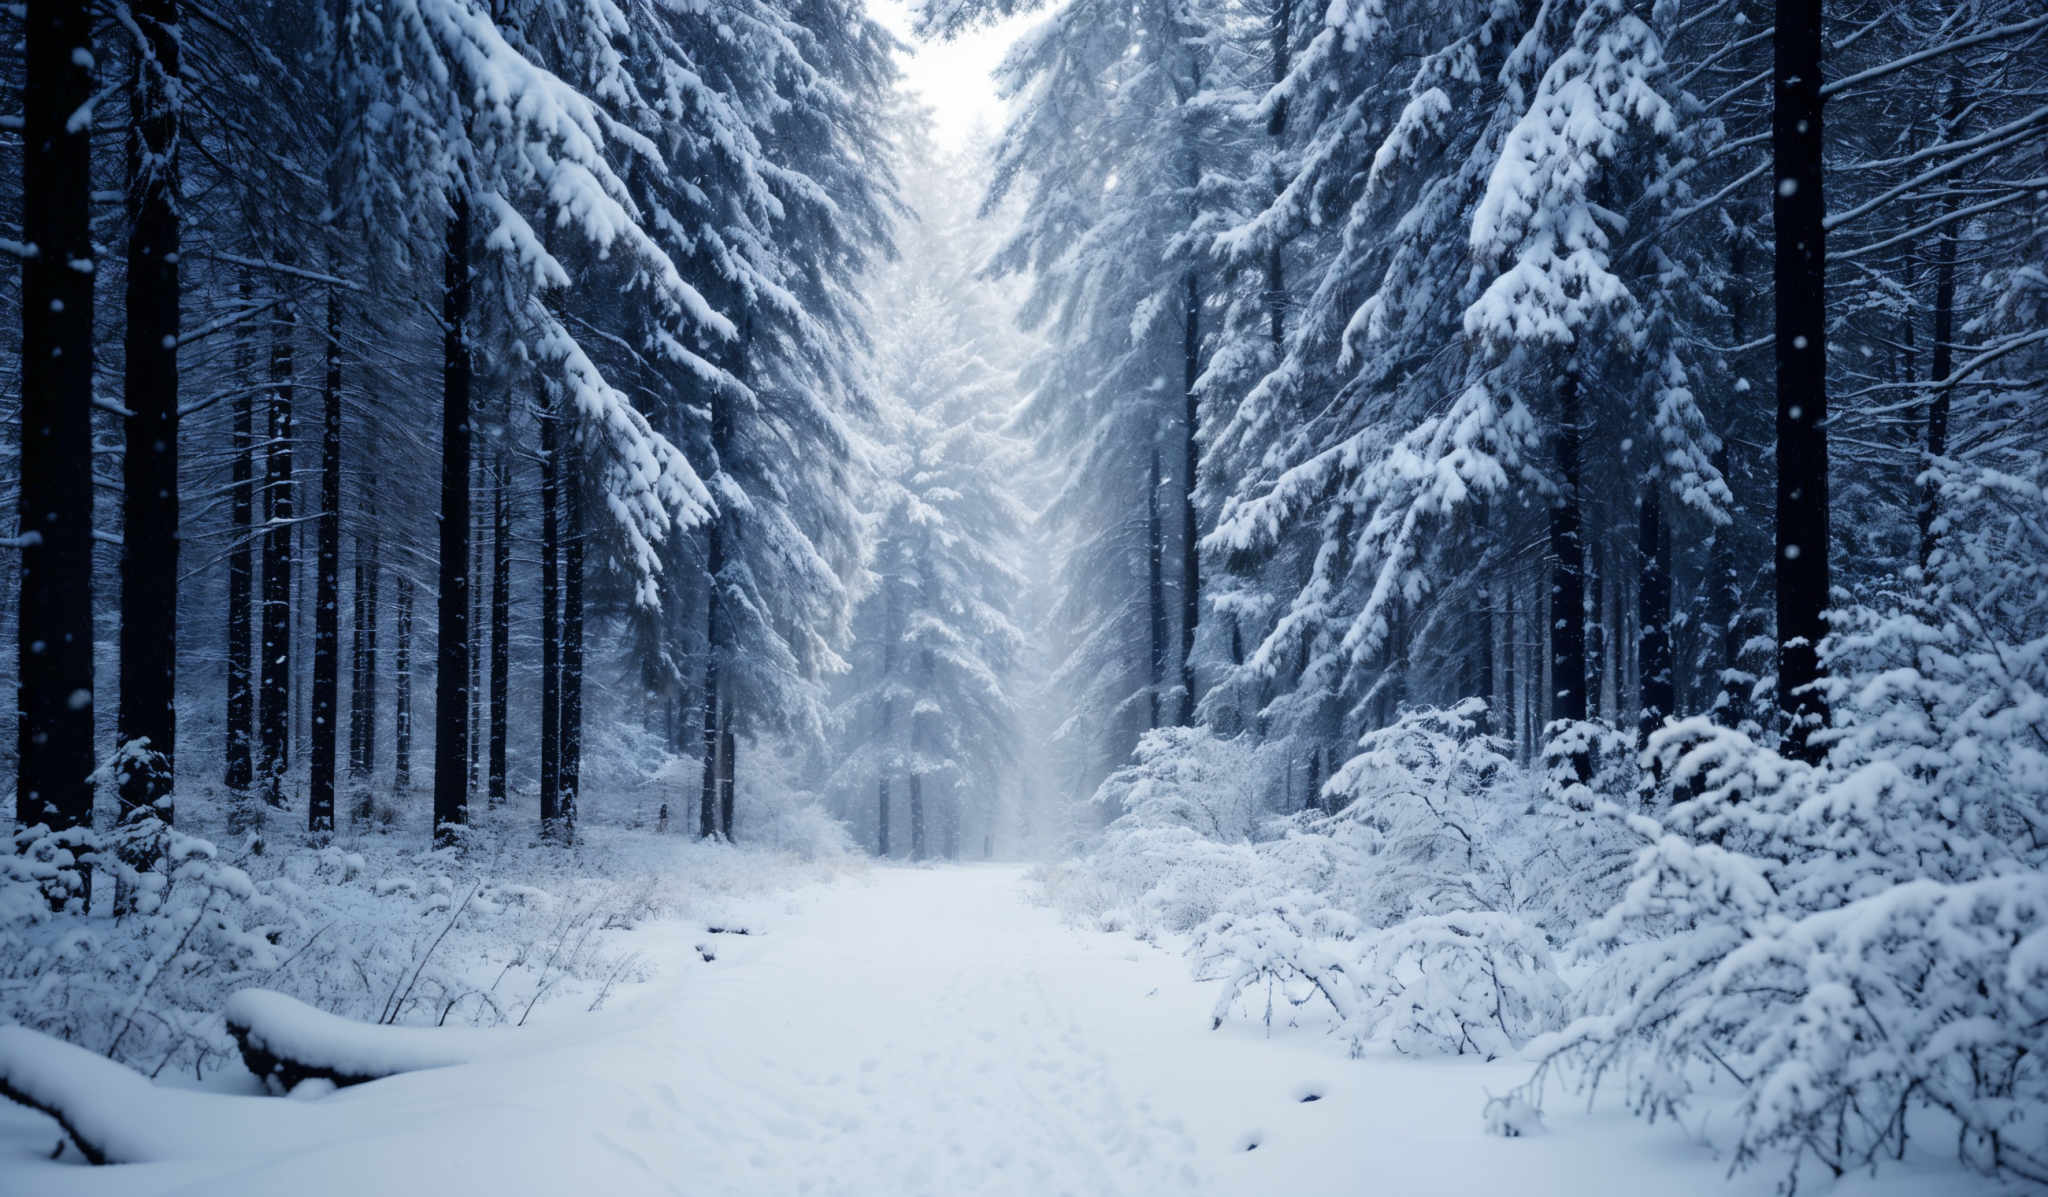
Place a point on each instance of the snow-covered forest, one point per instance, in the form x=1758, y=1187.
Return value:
x=1024, y=596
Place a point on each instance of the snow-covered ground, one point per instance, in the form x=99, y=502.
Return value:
x=907, y=1031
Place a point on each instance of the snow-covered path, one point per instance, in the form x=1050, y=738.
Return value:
x=930, y=1031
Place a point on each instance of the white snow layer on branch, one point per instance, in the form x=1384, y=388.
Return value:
x=650, y=488
x=1538, y=211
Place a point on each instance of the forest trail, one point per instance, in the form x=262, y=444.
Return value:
x=912, y=1031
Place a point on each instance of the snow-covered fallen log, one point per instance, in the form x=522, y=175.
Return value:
x=117, y=1116
x=285, y=1041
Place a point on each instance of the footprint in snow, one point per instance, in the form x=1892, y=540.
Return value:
x=1308, y=1092
x=1249, y=1141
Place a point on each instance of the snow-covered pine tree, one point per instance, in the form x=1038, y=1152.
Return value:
x=1106, y=147
x=929, y=707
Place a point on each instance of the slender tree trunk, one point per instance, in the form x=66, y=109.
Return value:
x=728, y=768
x=1190, y=557
x=917, y=851
x=478, y=630
x=54, y=512
x=1511, y=697
x=1653, y=616
x=882, y=818
x=1155, y=587
x=451, y=662
x=501, y=624
x=550, y=621
x=401, y=713
x=273, y=695
x=1944, y=345
x=708, y=803
x=1281, y=48
x=1799, y=214
x=1486, y=634
x=149, y=466
x=357, y=690
x=327, y=600
x=707, y=793
x=886, y=728
x=240, y=767
x=372, y=583
x=1567, y=566
x=572, y=657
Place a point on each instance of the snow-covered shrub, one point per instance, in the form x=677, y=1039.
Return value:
x=1292, y=946
x=798, y=826
x=1427, y=808
x=774, y=809
x=1836, y=1022
x=371, y=927
x=1472, y=982
x=1181, y=845
x=1188, y=777
x=1582, y=860
x=1858, y=942
x=1413, y=914
x=136, y=978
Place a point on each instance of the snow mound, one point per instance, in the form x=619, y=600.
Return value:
x=1512, y=1117
x=116, y=1116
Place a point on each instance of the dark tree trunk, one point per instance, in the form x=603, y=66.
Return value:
x=1801, y=278
x=1944, y=345
x=1602, y=642
x=707, y=791
x=372, y=608
x=1653, y=616
x=1155, y=587
x=477, y=629
x=917, y=851
x=708, y=804
x=925, y=672
x=362, y=703
x=273, y=695
x=550, y=623
x=886, y=729
x=357, y=691
x=572, y=657
x=1567, y=566
x=327, y=600
x=501, y=623
x=54, y=512
x=401, y=687
x=149, y=467
x=1485, y=689
x=1511, y=698
x=1281, y=52
x=882, y=818
x=451, y=660
x=728, y=767
x=1191, y=556
x=1938, y=406
x=240, y=765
